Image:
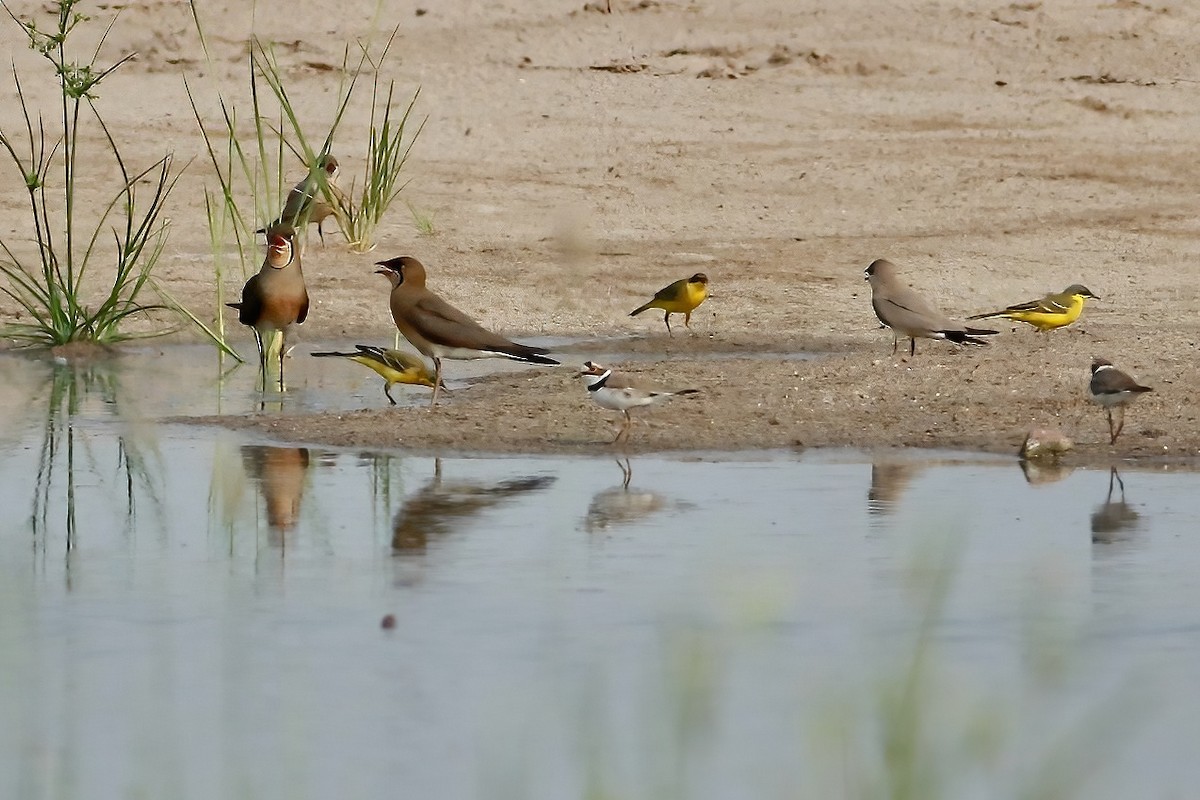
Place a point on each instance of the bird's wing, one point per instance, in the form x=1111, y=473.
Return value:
x=303, y=309
x=1050, y=304
x=673, y=292
x=251, y=307
x=443, y=324
x=908, y=310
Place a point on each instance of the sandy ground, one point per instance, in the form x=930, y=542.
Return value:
x=574, y=161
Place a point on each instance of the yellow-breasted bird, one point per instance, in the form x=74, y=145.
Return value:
x=1050, y=312
x=394, y=366
x=681, y=297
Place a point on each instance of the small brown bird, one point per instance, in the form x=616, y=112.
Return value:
x=612, y=390
x=275, y=298
x=307, y=204
x=1112, y=388
x=908, y=314
x=394, y=366
x=681, y=297
x=438, y=329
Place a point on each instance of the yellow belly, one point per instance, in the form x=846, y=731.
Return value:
x=1046, y=320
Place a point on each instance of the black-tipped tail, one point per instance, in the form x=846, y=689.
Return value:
x=968, y=336
x=989, y=315
x=532, y=355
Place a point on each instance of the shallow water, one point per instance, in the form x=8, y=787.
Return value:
x=192, y=614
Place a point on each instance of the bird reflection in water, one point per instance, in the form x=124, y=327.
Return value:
x=889, y=479
x=279, y=473
x=439, y=507
x=620, y=505
x=1038, y=471
x=1113, y=521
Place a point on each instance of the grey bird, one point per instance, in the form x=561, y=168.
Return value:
x=307, y=204
x=908, y=314
x=1113, y=389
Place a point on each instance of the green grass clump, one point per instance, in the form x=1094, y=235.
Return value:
x=55, y=287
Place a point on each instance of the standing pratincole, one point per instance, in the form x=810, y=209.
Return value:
x=612, y=390
x=438, y=329
x=681, y=297
x=908, y=314
x=275, y=298
x=1112, y=388
x=394, y=366
x=1050, y=312
x=306, y=202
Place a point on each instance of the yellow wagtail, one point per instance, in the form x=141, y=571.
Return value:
x=681, y=297
x=394, y=366
x=1050, y=312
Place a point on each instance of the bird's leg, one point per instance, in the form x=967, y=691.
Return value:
x=282, y=353
x=895, y=342
x=1112, y=437
x=687, y=320
x=437, y=380
x=912, y=347
x=262, y=357
x=667, y=319
x=387, y=389
x=625, y=426
x=1120, y=423
x=626, y=472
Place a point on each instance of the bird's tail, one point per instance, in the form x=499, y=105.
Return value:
x=334, y=355
x=990, y=315
x=640, y=309
x=534, y=355
x=235, y=306
x=968, y=336
x=686, y=391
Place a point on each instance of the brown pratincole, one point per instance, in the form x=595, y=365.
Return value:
x=275, y=298
x=438, y=329
x=908, y=314
x=1112, y=388
x=306, y=203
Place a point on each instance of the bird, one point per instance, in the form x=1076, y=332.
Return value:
x=681, y=297
x=1050, y=312
x=612, y=390
x=307, y=203
x=908, y=314
x=438, y=329
x=394, y=366
x=280, y=473
x=1112, y=388
x=275, y=298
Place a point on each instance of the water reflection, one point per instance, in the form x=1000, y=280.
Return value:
x=889, y=479
x=1040, y=471
x=1114, y=521
x=279, y=473
x=620, y=505
x=439, y=507
x=72, y=460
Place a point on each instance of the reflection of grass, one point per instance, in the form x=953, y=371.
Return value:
x=913, y=726
x=65, y=453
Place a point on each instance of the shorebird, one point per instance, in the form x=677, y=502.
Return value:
x=307, y=204
x=438, y=329
x=1112, y=388
x=394, y=366
x=1050, y=312
x=612, y=390
x=275, y=298
x=908, y=314
x=681, y=297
